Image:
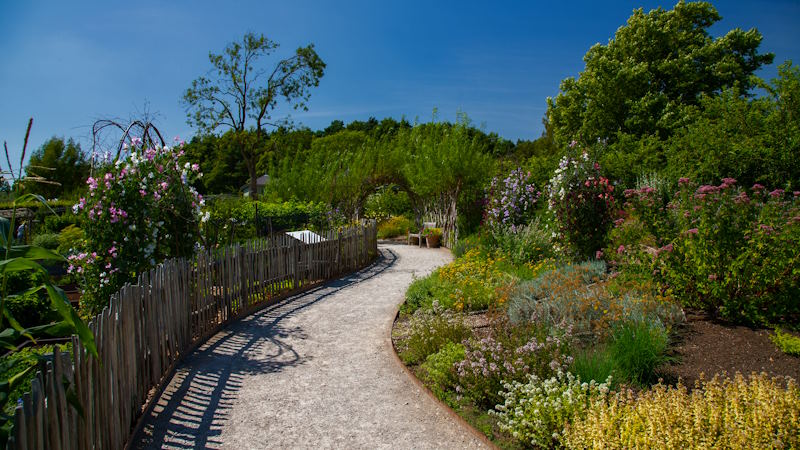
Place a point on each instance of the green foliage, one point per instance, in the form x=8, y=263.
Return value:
x=62, y=164
x=395, y=226
x=22, y=362
x=46, y=240
x=388, y=201
x=788, y=343
x=524, y=244
x=237, y=219
x=422, y=292
x=641, y=87
x=235, y=95
x=579, y=297
x=638, y=348
x=595, y=363
x=717, y=143
x=438, y=372
x=54, y=223
x=70, y=238
x=429, y=330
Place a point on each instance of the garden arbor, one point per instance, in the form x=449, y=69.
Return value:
x=434, y=163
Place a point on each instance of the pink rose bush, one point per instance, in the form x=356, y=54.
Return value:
x=136, y=213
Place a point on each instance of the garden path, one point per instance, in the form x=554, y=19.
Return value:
x=314, y=371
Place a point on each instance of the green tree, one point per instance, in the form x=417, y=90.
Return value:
x=241, y=92
x=634, y=91
x=63, y=165
x=752, y=140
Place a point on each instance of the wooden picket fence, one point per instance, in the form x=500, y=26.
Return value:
x=148, y=327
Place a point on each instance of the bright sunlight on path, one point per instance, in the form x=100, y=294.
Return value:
x=314, y=371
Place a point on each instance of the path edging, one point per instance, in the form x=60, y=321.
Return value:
x=454, y=415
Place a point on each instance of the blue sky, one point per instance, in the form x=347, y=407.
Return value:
x=69, y=63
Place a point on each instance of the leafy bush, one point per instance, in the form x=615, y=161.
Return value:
x=29, y=309
x=788, y=343
x=637, y=349
x=735, y=253
x=536, y=412
x=423, y=292
x=387, y=202
x=429, y=330
x=54, y=223
x=511, y=201
x=69, y=239
x=525, y=243
x=438, y=371
x=395, y=226
x=46, y=240
x=139, y=212
x=467, y=243
x=18, y=362
x=738, y=413
x=492, y=361
x=582, y=202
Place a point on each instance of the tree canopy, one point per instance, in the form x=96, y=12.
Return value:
x=241, y=92
x=650, y=75
x=63, y=165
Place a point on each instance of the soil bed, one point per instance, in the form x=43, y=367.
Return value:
x=707, y=346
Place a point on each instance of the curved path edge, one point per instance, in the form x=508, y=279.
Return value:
x=442, y=405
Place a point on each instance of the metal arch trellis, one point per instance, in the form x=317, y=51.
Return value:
x=147, y=129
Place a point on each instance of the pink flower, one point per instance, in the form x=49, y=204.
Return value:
x=195, y=167
x=598, y=254
x=92, y=183
x=620, y=249
x=667, y=248
x=729, y=181
x=683, y=180
x=757, y=187
x=692, y=231
x=712, y=277
x=776, y=193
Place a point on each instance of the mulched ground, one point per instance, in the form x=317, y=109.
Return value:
x=707, y=346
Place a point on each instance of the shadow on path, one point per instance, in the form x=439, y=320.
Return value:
x=193, y=408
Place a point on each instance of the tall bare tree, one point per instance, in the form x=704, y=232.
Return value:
x=238, y=92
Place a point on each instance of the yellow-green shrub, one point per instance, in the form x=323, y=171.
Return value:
x=395, y=226
x=738, y=413
x=473, y=281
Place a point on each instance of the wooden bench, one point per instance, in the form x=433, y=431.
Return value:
x=419, y=236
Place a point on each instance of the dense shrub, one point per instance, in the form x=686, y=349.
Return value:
x=737, y=413
x=429, y=330
x=537, y=411
x=137, y=212
x=54, y=223
x=423, y=292
x=29, y=309
x=69, y=239
x=395, y=226
x=387, y=202
x=471, y=242
x=722, y=248
x=788, y=343
x=46, y=240
x=438, y=370
x=492, y=361
x=511, y=201
x=582, y=202
x=525, y=243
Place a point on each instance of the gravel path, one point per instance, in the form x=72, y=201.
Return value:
x=315, y=371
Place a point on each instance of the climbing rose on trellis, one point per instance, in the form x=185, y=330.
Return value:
x=138, y=212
